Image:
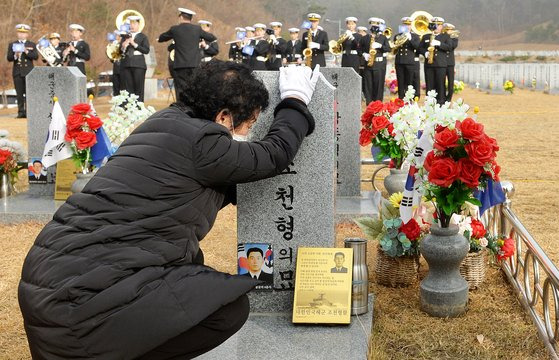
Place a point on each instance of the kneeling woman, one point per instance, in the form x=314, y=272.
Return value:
x=118, y=272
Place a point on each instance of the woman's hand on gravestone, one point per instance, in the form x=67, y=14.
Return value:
x=298, y=82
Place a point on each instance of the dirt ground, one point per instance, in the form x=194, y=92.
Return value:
x=494, y=327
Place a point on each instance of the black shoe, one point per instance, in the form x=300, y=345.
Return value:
x=21, y=116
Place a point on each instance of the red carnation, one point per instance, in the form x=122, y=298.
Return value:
x=94, y=122
x=399, y=102
x=81, y=108
x=379, y=123
x=446, y=139
x=470, y=129
x=507, y=250
x=411, y=229
x=478, y=230
x=469, y=173
x=85, y=139
x=4, y=155
x=480, y=152
x=75, y=121
x=443, y=172
x=365, y=137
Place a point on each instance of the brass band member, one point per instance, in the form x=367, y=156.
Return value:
x=116, y=78
x=433, y=47
x=407, y=59
x=208, y=50
x=278, y=46
x=77, y=51
x=21, y=52
x=236, y=49
x=133, y=67
x=294, y=48
x=451, y=30
x=318, y=42
x=54, y=40
x=246, y=45
x=261, y=48
x=187, y=45
x=351, y=56
x=374, y=46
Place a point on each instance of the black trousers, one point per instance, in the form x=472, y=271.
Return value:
x=180, y=77
x=116, y=84
x=133, y=80
x=19, y=83
x=81, y=66
x=208, y=334
x=373, y=83
x=407, y=74
x=450, y=78
x=435, y=78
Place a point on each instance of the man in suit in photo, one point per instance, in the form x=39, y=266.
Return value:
x=255, y=257
x=339, y=259
x=37, y=173
x=77, y=51
x=319, y=41
x=21, y=52
x=134, y=46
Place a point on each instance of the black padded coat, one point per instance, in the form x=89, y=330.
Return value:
x=114, y=274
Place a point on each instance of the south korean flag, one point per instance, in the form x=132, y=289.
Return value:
x=56, y=148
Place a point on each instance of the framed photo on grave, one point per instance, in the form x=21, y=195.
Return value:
x=257, y=261
x=323, y=285
x=37, y=173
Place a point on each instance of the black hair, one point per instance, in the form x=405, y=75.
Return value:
x=37, y=161
x=185, y=16
x=255, y=249
x=219, y=85
x=339, y=253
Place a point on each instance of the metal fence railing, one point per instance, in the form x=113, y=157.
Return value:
x=531, y=273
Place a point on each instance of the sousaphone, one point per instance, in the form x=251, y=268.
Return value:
x=420, y=22
x=123, y=16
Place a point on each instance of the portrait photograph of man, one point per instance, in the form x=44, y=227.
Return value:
x=37, y=173
x=339, y=259
x=256, y=261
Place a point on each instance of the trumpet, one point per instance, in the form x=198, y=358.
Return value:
x=307, y=53
x=336, y=45
x=454, y=34
x=388, y=32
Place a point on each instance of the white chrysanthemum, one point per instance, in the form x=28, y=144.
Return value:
x=4, y=133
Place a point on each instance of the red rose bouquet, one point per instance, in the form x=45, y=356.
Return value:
x=379, y=130
x=81, y=126
x=12, y=157
x=463, y=159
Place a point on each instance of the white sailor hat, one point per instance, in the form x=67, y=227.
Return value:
x=76, y=27
x=314, y=16
x=238, y=28
x=437, y=20
x=293, y=30
x=351, y=18
x=382, y=22
x=133, y=18
x=249, y=28
x=259, y=26
x=374, y=20
x=205, y=22
x=276, y=23
x=187, y=11
x=406, y=20
x=362, y=28
x=448, y=26
x=23, y=28
x=54, y=35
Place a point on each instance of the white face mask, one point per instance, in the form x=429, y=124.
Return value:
x=240, y=137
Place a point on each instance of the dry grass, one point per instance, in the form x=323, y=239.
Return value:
x=525, y=126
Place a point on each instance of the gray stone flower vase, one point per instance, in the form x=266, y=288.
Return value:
x=396, y=181
x=444, y=292
x=80, y=182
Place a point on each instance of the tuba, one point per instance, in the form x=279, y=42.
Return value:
x=420, y=22
x=307, y=53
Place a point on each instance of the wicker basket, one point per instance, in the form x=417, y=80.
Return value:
x=395, y=272
x=473, y=268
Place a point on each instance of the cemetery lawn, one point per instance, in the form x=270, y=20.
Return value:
x=494, y=326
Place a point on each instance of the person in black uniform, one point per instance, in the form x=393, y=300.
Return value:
x=246, y=46
x=187, y=45
x=294, y=48
x=170, y=61
x=133, y=65
x=363, y=31
x=451, y=31
x=235, y=49
x=278, y=47
x=351, y=57
x=375, y=67
x=54, y=40
x=21, y=52
x=77, y=52
x=261, y=48
x=208, y=50
x=319, y=41
x=407, y=59
x=116, y=78
x=435, y=73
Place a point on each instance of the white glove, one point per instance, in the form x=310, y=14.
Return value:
x=273, y=37
x=436, y=43
x=298, y=82
x=377, y=45
x=427, y=55
x=408, y=36
x=315, y=45
x=349, y=34
x=366, y=56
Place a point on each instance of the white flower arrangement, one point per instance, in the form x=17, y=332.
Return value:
x=126, y=114
x=19, y=153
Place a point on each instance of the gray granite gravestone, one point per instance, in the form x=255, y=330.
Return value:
x=554, y=78
x=348, y=114
x=295, y=208
x=496, y=78
x=44, y=83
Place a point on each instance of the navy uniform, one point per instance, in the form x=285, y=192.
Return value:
x=319, y=41
x=373, y=76
x=261, y=49
x=451, y=30
x=278, y=47
x=362, y=31
x=435, y=73
x=54, y=40
x=116, y=78
x=77, y=52
x=246, y=44
x=407, y=61
x=187, y=47
x=294, y=48
x=207, y=50
x=133, y=64
x=351, y=56
x=236, y=49
x=23, y=64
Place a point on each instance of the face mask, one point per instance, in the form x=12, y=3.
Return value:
x=237, y=137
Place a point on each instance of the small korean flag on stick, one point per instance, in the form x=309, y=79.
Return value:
x=56, y=148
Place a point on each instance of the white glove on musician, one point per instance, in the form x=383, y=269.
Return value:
x=349, y=34
x=315, y=45
x=408, y=36
x=427, y=55
x=436, y=43
x=377, y=45
x=366, y=56
x=298, y=82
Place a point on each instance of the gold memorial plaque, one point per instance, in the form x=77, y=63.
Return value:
x=65, y=176
x=323, y=285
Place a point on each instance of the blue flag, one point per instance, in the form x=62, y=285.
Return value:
x=491, y=196
x=102, y=149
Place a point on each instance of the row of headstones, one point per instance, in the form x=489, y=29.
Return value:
x=492, y=76
x=491, y=53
